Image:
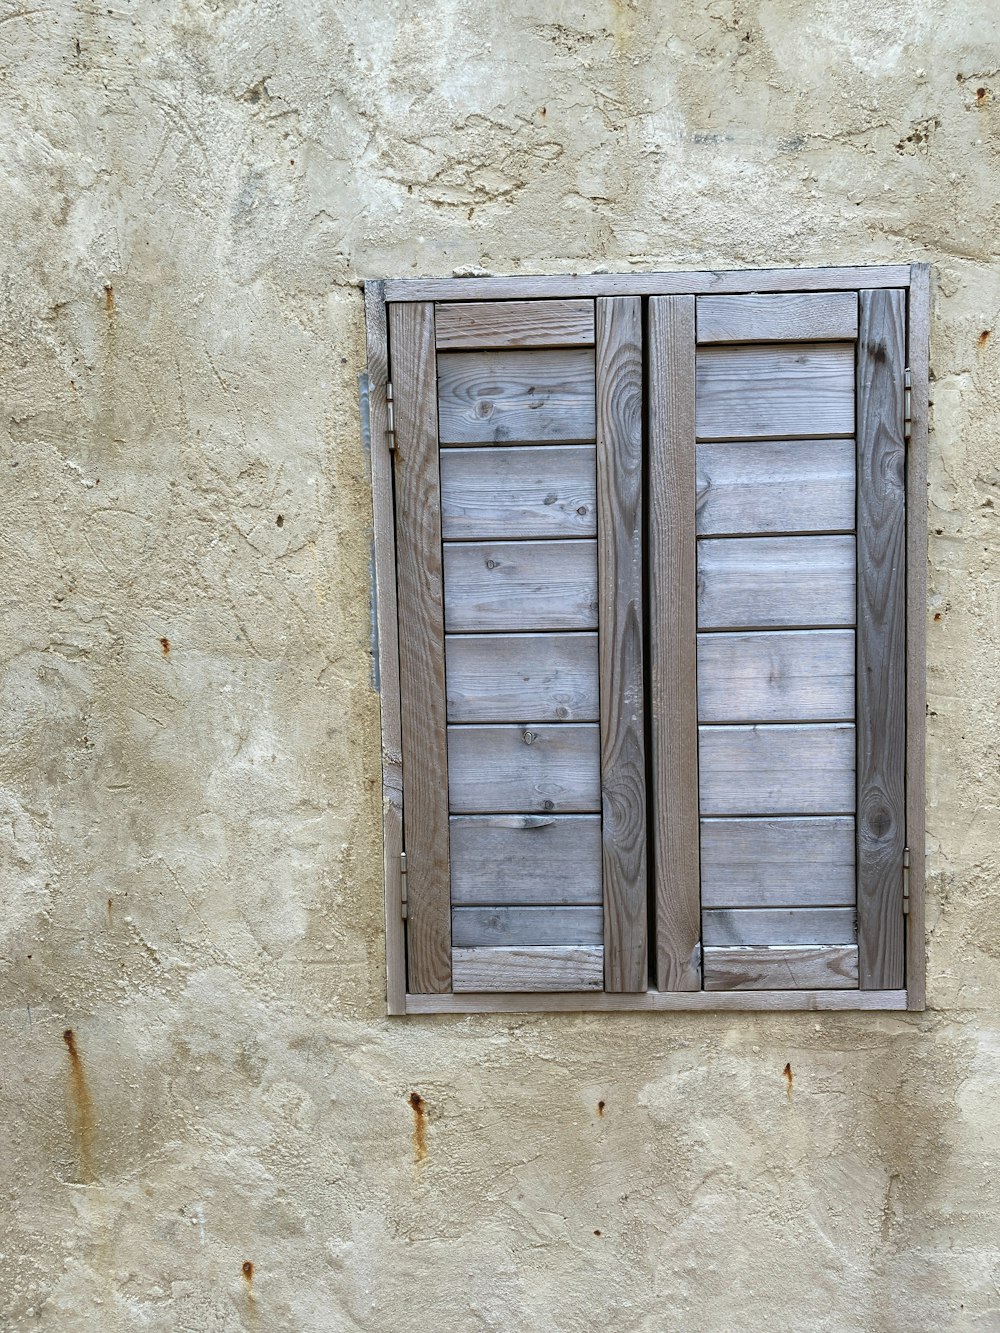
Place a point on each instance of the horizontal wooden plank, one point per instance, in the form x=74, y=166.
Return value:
x=777, y=862
x=762, y=1001
x=760, y=392
x=786, y=317
x=493, y=397
x=764, y=582
x=472, y=927
x=775, y=926
x=788, y=676
x=550, y=968
x=646, y=284
x=514, y=492
x=829, y=966
x=777, y=770
x=522, y=677
x=751, y=487
x=520, y=585
x=536, y=769
x=514, y=324
x=532, y=859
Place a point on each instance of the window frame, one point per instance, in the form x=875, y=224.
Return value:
x=915, y=280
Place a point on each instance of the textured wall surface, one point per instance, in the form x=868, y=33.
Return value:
x=209, y=1117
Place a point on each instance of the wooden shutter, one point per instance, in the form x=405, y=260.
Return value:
x=778, y=472
x=671, y=518
x=518, y=430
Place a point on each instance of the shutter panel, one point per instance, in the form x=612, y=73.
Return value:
x=520, y=547
x=800, y=611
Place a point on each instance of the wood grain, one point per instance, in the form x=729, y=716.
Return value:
x=493, y=397
x=673, y=700
x=769, y=582
x=756, y=392
x=778, y=862
x=647, y=284
x=547, y=968
x=421, y=648
x=778, y=926
x=791, y=968
x=761, y=1001
x=384, y=591
x=473, y=927
x=515, y=324
x=522, y=678
x=775, y=770
x=511, y=492
x=620, y=591
x=520, y=585
x=541, y=768
x=527, y=859
x=749, y=488
x=916, y=627
x=881, y=817
x=788, y=317
x=788, y=676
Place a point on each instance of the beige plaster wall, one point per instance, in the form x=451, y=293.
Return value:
x=189, y=808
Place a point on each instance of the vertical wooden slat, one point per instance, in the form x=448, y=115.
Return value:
x=673, y=645
x=881, y=638
x=384, y=562
x=916, y=625
x=421, y=647
x=619, y=528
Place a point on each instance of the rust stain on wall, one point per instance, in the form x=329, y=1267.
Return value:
x=419, y=1108
x=83, y=1109
x=789, y=1078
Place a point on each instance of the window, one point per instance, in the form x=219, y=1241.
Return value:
x=650, y=568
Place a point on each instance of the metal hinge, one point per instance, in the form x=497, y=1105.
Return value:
x=402, y=884
x=906, y=881
x=907, y=420
x=390, y=421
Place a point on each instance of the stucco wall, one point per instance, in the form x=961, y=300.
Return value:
x=189, y=772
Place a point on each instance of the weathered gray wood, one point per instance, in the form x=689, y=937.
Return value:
x=916, y=627
x=384, y=591
x=493, y=397
x=777, y=770
x=473, y=927
x=673, y=700
x=764, y=582
x=791, y=925
x=620, y=556
x=540, y=768
x=647, y=284
x=522, y=678
x=777, y=862
x=881, y=815
x=527, y=859
x=756, y=392
x=787, y=317
x=520, y=585
x=549, y=968
x=511, y=492
x=515, y=324
x=788, y=676
x=827, y=966
x=775, y=486
x=421, y=647
x=885, y=1001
